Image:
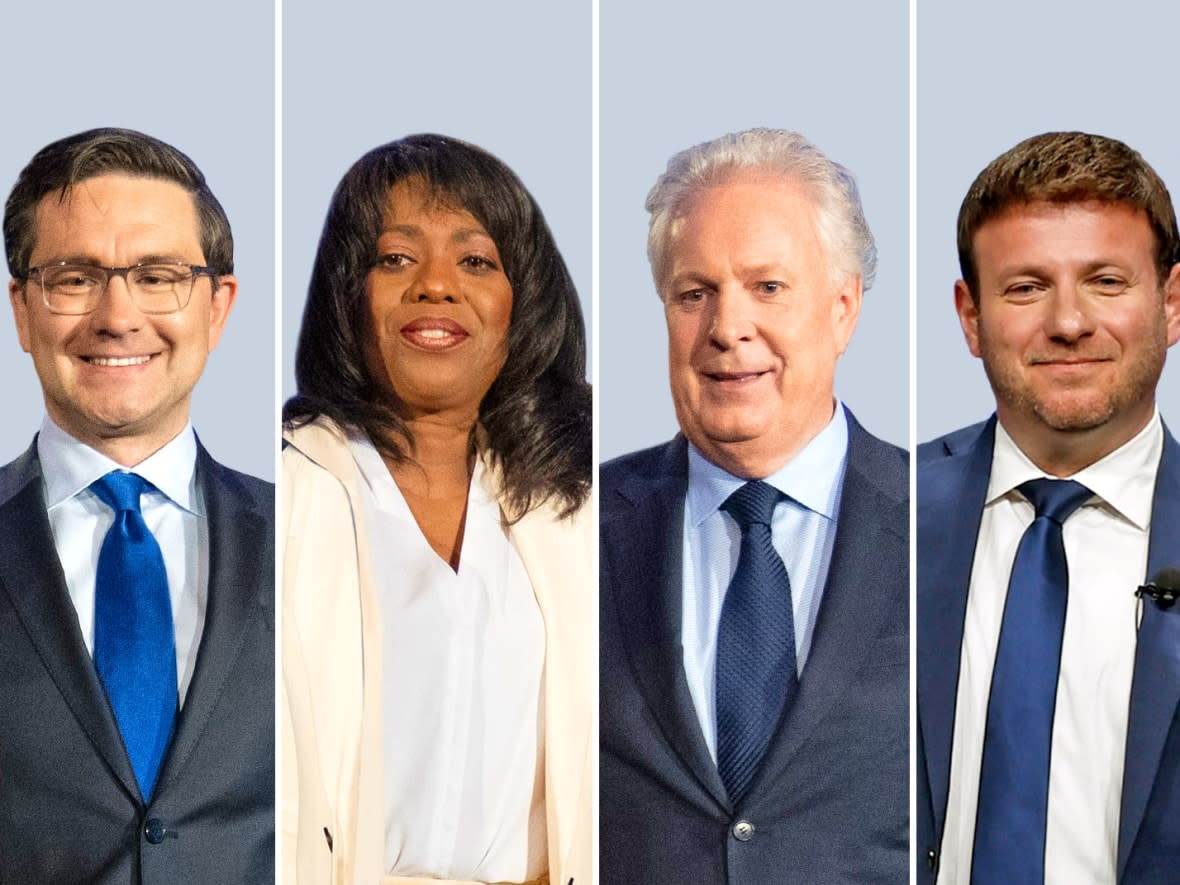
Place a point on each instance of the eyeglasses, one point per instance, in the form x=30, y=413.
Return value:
x=155, y=287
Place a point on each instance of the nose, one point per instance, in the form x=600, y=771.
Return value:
x=116, y=313
x=435, y=283
x=732, y=321
x=1068, y=314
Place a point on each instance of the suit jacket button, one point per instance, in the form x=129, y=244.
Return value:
x=154, y=831
x=931, y=858
x=743, y=831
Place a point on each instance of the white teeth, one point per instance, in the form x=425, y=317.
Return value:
x=119, y=361
x=434, y=333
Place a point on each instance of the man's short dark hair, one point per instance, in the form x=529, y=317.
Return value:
x=1067, y=167
x=60, y=166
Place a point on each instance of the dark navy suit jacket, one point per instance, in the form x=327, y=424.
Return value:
x=830, y=801
x=70, y=809
x=953, y=474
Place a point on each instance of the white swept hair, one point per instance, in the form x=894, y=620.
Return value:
x=840, y=221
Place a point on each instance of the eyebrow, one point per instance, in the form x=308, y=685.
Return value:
x=415, y=232
x=688, y=278
x=769, y=270
x=93, y=261
x=1040, y=270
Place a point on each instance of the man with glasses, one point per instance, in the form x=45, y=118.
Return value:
x=136, y=573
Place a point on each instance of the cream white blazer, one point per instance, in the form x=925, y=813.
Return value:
x=333, y=812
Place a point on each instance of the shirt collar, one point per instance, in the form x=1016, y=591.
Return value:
x=70, y=466
x=1124, y=479
x=812, y=478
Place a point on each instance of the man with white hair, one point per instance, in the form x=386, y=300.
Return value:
x=754, y=571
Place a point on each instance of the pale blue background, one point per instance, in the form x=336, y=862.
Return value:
x=675, y=74
x=991, y=75
x=514, y=78
x=202, y=79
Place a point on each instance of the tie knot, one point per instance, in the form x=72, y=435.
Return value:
x=120, y=491
x=752, y=504
x=1055, y=499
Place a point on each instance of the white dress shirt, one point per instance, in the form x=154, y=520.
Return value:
x=174, y=512
x=802, y=530
x=1106, y=542
x=464, y=658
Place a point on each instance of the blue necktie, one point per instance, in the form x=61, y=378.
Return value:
x=1014, y=775
x=134, y=646
x=756, y=678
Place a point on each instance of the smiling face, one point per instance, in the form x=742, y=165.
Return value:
x=755, y=323
x=1072, y=324
x=117, y=379
x=439, y=305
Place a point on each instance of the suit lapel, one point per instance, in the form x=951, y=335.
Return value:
x=1155, y=690
x=951, y=495
x=236, y=535
x=869, y=524
x=644, y=552
x=31, y=573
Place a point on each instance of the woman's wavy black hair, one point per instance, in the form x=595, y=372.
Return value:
x=537, y=414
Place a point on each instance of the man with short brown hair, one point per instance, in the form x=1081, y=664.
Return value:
x=1047, y=692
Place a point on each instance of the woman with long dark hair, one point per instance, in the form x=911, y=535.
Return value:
x=438, y=602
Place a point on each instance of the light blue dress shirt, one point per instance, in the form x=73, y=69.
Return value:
x=174, y=512
x=803, y=531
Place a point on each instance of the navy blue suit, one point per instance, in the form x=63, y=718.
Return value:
x=953, y=474
x=70, y=809
x=830, y=800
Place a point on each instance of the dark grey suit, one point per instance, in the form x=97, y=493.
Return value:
x=830, y=801
x=70, y=810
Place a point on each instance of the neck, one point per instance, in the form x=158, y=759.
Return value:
x=126, y=451
x=441, y=460
x=1063, y=453
x=435, y=481
x=766, y=455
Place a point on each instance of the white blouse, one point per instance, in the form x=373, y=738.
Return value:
x=464, y=659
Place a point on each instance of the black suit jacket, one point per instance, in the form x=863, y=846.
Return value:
x=70, y=810
x=953, y=473
x=830, y=801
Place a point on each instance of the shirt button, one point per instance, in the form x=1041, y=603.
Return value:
x=743, y=831
x=154, y=831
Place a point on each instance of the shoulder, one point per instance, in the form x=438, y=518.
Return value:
x=319, y=479
x=1170, y=441
x=887, y=466
x=950, y=444
x=319, y=445
x=567, y=542
x=224, y=484
x=18, y=473
x=252, y=491
x=631, y=473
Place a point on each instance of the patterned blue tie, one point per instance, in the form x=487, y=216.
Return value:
x=756, y=678
x=134, y=646
x=1014, y=775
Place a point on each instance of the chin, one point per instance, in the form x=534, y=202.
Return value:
x=728, y=434
x=1074, y=416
